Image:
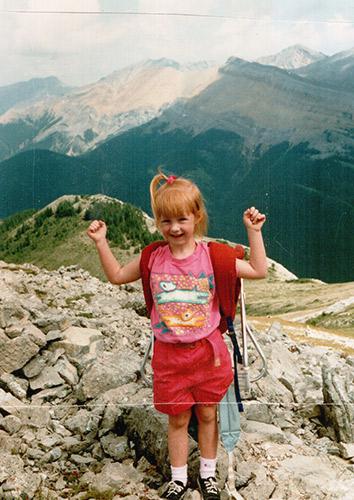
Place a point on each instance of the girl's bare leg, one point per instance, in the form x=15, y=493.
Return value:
x=207, y=430
x=178, y=438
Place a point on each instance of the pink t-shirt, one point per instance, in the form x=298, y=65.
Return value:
x=185, y=307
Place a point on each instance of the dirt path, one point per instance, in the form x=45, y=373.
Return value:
x=301, y=332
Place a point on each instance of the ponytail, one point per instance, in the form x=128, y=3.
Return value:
x=154, y=187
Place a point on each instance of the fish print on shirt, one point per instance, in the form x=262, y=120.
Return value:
x=182, y=302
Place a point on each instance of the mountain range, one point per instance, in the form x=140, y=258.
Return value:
x=84, y=117
x=248, y=133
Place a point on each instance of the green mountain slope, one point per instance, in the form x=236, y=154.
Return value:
x=56, y=235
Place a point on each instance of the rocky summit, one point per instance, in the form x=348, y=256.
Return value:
x=76, y=423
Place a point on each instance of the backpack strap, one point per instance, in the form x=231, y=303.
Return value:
x=228, y=286
x=145, y=272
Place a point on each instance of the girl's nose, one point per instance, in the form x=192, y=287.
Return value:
x=175, y=227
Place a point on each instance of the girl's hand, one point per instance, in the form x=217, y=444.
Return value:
x=97, y=231
x=253, y=219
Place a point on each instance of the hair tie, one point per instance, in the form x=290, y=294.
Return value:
x=171, y=179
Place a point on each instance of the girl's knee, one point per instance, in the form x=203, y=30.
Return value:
x=179, y=421
x=206, y=414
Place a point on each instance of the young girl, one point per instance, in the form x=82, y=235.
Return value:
x=191, y=362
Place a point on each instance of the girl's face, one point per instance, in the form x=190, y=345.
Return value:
x=178, y=230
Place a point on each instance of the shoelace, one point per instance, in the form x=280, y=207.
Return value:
x=174, y=487
x=211, y=485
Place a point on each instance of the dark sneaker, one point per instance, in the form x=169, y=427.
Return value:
x=209, y=488
x=174, y=490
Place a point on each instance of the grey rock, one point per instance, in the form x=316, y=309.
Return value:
x=9, y=444
x=48, y=442
x=51, y=456
x=78, y=341
x=338, y=408
x=83, y=422
x=147, y=429
x=115, y=478
x=80, y=460
x=346, y=450
x=11, y=424
x=53, y=393
x=28, y=435
x=54, y=335
x=17, y=386
x=58, y=428
x=261, y=431
x=35, y=415
x=67, y=371
x=116, y=447
x=111, y=415
x=10, y=404
x=34, y=453
x=15, y=353
x=53, y=322
x=10, y=465
x=74, y=444
x=276, y=392
x=315, y=476
x=60, y=484
x=27, y=483
x=256, y=410
x=49, y=377
x=243, y=474
x=35, y=366
x=111, y=369
x=259, y=490
x=11, y=312
x=16, y=329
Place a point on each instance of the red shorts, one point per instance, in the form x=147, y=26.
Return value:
x=185, y=374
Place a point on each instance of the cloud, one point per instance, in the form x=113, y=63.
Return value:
x=80, y=48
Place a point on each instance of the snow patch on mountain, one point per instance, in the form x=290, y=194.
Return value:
x=292, y=57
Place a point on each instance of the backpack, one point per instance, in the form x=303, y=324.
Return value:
x=227, y=287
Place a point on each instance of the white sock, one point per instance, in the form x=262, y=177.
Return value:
x=179, y=474
x=207, y=467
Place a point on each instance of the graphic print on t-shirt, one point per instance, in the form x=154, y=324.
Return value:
x=182, y=302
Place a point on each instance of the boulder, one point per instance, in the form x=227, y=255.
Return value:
x=11, y=311
x=116, y=478
x=9, y=404
x=259, y=432
x=78, y=342
x=110, y=370
x=115, y=446
x=315, y=476
x=16, y=352
x=338, y=403
x=17, y=386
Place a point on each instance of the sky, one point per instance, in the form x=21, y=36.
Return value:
x=80, y=41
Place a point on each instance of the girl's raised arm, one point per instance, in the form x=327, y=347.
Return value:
x=115, y=273
x=257, y=266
